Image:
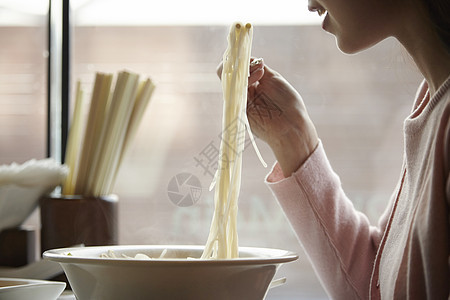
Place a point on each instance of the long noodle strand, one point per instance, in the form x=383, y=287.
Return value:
x=222, y=241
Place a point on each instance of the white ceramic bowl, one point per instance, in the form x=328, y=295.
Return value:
x=25, y=289
x=173, y=277
x=22, y=185
x=17, y=203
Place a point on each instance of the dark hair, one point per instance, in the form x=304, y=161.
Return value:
x=439, y=11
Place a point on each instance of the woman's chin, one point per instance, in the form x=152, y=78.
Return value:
x=346, y=49
x=350, y=48
x=353, y=45
x=342, y=43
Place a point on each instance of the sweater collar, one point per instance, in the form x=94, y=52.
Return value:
x=423, y=103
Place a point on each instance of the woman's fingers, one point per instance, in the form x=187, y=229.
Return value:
x=256, y=70
x=219, y=70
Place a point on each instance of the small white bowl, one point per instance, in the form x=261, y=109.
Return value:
x=25, y=289
x=17, y=203
x=174, y=277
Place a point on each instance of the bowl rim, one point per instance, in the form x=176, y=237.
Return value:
x=65, y=256
x=20, y=283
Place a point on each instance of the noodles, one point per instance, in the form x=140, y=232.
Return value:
x=222, y=242
x=138, y=256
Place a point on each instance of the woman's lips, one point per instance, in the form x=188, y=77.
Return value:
x=321, y=11
x=325, y=22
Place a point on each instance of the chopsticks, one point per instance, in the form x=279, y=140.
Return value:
x=114, y=117
x=73, y=140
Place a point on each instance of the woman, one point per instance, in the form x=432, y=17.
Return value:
x=407, y=255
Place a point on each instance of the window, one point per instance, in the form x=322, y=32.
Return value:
x=358, y=104
x=23, y=81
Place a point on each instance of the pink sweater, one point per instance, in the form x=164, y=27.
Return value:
x=407, y=255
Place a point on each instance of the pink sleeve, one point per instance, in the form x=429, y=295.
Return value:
x=339, y=241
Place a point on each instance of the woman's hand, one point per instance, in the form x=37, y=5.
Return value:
x=278, y=116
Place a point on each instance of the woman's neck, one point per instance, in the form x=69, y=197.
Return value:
x=428, y=52
x=434, y=64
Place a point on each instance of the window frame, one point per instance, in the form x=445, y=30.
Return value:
x=58, y=78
